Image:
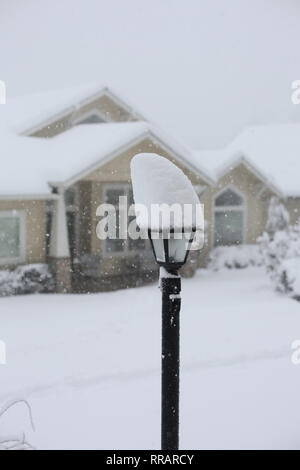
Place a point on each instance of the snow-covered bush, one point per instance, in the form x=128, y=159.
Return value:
x=235, y=257
x=280, y=250
x=30, y=279
x=289, y=275
x=278, y=217
x=281, y=256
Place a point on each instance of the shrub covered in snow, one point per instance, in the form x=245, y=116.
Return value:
x=278, y=217
x=235, y=257
x=280, y=250
x=28, y=279
x=281, y=256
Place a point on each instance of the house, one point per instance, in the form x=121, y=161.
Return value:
x=64, y=153
x=260, y=163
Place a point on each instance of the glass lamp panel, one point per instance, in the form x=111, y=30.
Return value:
x=177, y=250
x=158, y=245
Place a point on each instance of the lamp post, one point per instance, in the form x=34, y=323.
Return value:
x=167, y=206
x=171, y=254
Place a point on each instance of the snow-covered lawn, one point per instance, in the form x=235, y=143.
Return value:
x=90, y=366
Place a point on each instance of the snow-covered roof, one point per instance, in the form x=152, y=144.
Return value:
x=24, y=112
x=29, y=164
x=271, y=150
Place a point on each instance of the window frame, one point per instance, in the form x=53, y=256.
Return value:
x=126, y=252
x=241, y=208
x=21, y=215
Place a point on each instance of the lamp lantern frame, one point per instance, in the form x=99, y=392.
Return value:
x=164, y=237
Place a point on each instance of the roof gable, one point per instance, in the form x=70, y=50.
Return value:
x=51, y=113
x=136, y=134
x=271, y=152
x=104, y=104
x=242, y=160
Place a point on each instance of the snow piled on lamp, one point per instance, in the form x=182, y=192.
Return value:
x=165, y=198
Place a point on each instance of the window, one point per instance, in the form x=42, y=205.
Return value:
x=229, y=198
x=92, y=118
x=12, y=237
x=112, y=195
x=228, y=218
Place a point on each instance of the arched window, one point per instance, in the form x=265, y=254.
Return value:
x=229, y=218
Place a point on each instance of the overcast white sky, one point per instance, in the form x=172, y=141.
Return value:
x=202, y=69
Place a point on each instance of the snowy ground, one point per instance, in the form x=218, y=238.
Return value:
x=90, y=366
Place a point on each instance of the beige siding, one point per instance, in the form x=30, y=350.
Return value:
x=35, y=228
x=293, y=206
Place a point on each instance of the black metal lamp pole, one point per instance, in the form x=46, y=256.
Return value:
x=170, y=287
x=171, y=254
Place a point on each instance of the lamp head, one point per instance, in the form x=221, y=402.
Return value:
x=171, y=248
